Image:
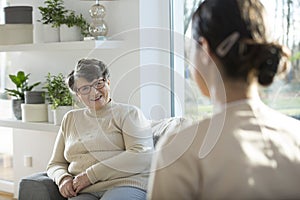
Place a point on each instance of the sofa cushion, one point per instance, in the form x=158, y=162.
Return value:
x=38, y=187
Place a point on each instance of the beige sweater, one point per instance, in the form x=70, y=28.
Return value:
x=113, y=146
x=246, y=151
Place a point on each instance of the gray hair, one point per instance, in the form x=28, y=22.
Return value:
x=89, y=69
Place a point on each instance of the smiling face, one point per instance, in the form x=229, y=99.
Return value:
x=97, y=97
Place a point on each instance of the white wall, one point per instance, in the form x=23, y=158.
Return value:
x=35, y=144
x=155, y=58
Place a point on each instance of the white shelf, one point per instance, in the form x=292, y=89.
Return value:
x=36, y=126
x=99, y=0
x=62, y=46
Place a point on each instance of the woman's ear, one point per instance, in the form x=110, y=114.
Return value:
x=205, y=54
x=205, y=45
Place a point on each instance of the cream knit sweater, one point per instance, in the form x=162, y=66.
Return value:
x=113, y=146
x=246, y=151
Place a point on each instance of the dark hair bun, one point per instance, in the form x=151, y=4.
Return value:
x=269, y=59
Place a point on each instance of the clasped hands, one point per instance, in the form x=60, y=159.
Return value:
x=69, y=187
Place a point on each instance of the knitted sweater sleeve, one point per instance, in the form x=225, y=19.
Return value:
x=57, y=167
x=135, y=159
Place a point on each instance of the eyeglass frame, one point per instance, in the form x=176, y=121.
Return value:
x=103, y=80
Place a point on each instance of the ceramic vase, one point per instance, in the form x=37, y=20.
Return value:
x=16, y=106
x=69, y=33
x=59, y=113
x=34, y=97
x=50, y=34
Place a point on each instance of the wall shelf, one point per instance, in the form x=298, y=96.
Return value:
x=62, y=46
x=99, y=0
x=36, y=126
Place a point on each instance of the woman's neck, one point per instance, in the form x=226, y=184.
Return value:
x=235, y=91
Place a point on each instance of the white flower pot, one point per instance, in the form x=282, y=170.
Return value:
x=50, y=114
x=59, y=113
x=69, y=33
x=38, y=32
x=34, y=112
x=51, y=34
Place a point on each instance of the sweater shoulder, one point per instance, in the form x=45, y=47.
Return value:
x=74, y=112
x=125, y=108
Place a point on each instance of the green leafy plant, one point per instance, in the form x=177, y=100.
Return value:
x=71, y=19
x=53, y=13
x=58, y=92
x=296, y=56
x=21, y=82
x=56, y=14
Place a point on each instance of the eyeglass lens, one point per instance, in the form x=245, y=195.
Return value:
x=87, y=88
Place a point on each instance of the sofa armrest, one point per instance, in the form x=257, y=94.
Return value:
x=169, y=125
x=38, y=186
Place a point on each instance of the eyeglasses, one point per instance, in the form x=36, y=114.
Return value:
x=86, y=89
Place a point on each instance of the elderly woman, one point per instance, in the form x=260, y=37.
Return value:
x=102, y=151
x=246, y=150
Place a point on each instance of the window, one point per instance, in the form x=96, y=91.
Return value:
x=284, y=94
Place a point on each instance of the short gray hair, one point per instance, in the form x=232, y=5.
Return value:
x=89, y=69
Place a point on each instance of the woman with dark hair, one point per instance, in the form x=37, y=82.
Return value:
x=102, y=151
x=245, y=150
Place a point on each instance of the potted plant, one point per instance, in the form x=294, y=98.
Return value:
x=49, y=90
x=52, y=15
x=21, y=82
x=73, y=27
x=59, y=95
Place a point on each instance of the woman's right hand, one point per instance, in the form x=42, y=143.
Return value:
x=80, y=182
x=66, y=187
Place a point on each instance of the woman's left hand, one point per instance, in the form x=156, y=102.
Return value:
x=80, y=182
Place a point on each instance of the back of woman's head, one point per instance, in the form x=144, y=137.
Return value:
x=237, y=34
x=89, y=69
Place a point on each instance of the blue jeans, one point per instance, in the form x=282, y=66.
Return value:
x=118, y=193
